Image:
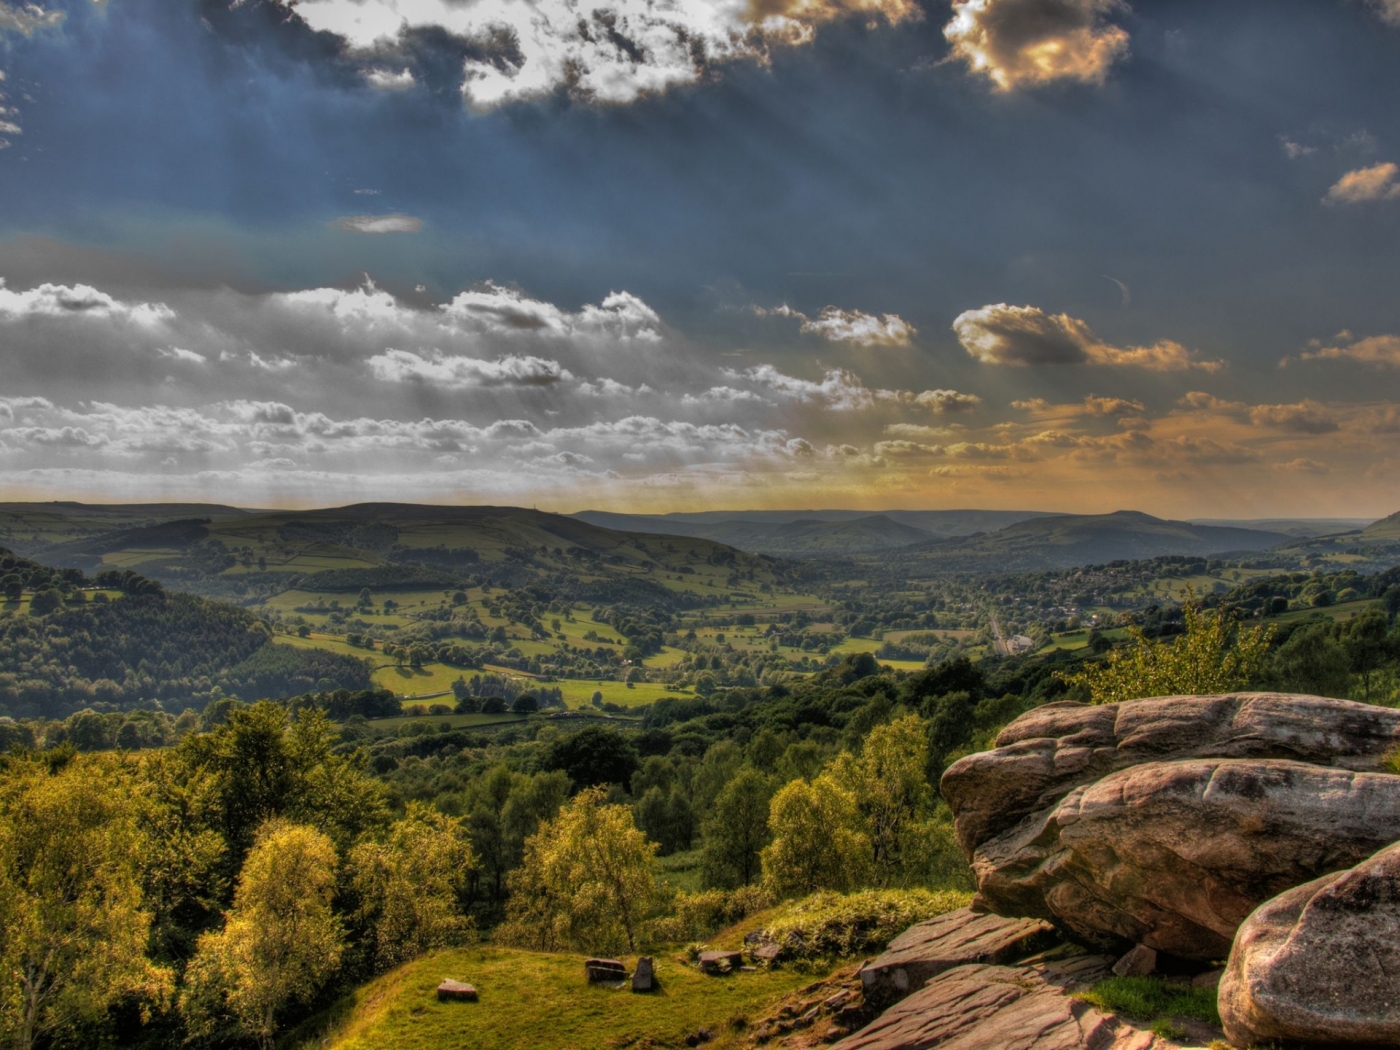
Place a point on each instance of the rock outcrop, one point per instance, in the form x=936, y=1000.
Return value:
x=1175, y=855
x=1043, y=755
x=1164, y=822
x=957, y=938
x=979, y=1007
x=1320, y=964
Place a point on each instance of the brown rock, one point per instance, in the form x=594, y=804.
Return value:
x=1139, y=962
x=767, y=953
x=941, y=943
x=644, y=978
x=1320, y=964
x=456, y=991
x=1175, y=855
x=980, y=1007
x=714, y=962
x=1044, y=754
x=1209, y=979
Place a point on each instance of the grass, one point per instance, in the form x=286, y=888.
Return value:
x=578, y=692
x=538, y=999
x=1149, y=1000
x=474, y=721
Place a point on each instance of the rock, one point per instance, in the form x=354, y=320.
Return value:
x=601, y=971
x=1209, y=979
x=644, y=979
x=980, y=1007
x=1047, y=752
x=941, y=943
x=716, y=962
x=1175, y=855
x=1139, y=962
x=455, y=991
x=767, y=953
x=1320, y=964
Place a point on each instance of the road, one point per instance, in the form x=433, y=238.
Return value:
x=998, y=641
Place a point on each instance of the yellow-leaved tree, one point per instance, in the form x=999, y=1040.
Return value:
x=73, y=926
x=280, y=941
x=587, y=880
x=1214, y=655
x=410, y=883
x=819, y=842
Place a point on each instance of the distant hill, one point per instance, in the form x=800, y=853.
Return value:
x=1302, y=528
x=1066, y=540
x=1386, y=530
x=816, y=533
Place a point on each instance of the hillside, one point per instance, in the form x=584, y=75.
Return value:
x=1387, y=530
x=1068, y=540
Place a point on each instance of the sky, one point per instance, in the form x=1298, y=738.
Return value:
x=655, y=255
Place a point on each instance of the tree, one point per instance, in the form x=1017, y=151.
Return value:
x=409, y=884
x=737, y=831
x=1312, y=660
x=1370, y=645
x=586, y=882
x=891, y=790
x=594, y=756
x=280, y=941
x=73, y=924
x=1214, y=655
x=45, y=601
x=818, y=842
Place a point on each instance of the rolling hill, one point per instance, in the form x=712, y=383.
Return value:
x=1067, y=540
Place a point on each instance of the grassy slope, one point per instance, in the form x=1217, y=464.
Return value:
x=536, y=999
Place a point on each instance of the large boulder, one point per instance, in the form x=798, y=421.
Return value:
x=928, y=948
x=1047, y=752
x=979, y=1007
x=1320, y=964
x=1175, y=855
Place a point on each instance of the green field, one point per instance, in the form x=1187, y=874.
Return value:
x=531, y=1000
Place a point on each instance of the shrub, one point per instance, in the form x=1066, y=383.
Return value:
x=828, y=925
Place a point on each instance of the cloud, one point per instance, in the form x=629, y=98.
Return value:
x=1382, y=351
x=941, y=401
x=1027, y=43
x=394, y=222
x=862, y=329
x=1304, y=417
x=1302, y=465
x=1296, y=150
x=494, y=309
x=176, y=353
x=613, y=51
x=1379, y=182
x=78, y=300
x=26, y=19
x=365, y=304
x=1389, y=10
x=458, y=373
x=1000, y=334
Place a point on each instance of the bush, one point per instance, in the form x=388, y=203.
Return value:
x=697, y=916
x=827, y=925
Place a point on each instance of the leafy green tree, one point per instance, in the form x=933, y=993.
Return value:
x=818, y=841
x=594, y=756
x=737, y=831
x=45, y=601
x=410, y=883
x=1370, y=645
x=74, y=926
x=1214, y=655
x=1312, y=660
x=890, y=786
x=280, y=941
x=586, y=882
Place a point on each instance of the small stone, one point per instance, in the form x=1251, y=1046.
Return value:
x=456, y=991
x=644, y=979
x=805, y=1021
x=748, y=969
x=833, y=1033
x=835, y=1002
x=715, y=962
x=767, y=953
x=1209, y=979
x=1139, y=962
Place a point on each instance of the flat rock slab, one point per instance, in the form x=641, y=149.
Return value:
x=456, y=992
x=604, y=970
x=1043, y=755
x=978, y=1007
x=720, y=962
x=955, y=939
x=1320, y=964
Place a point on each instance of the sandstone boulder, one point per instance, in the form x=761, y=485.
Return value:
x=601, y=971
x=456, y=991
x=1320, y=964
x=1047, y=752
x=979, y=1007
x=717, y=962
x=644, y=977
x=1175, y=855
x=959, y=937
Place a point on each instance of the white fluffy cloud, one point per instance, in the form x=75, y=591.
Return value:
x=1025, y=43
x=612, y=51
x=493, y=309
x=452, y=372
x=861, y=329
x=77, y=300
x=1000, y=334
x=1378, y=182
x=1380, y=351
x=26, y=18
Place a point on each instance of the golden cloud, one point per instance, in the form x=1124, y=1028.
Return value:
x=1027, y=43
x=1377, y=183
